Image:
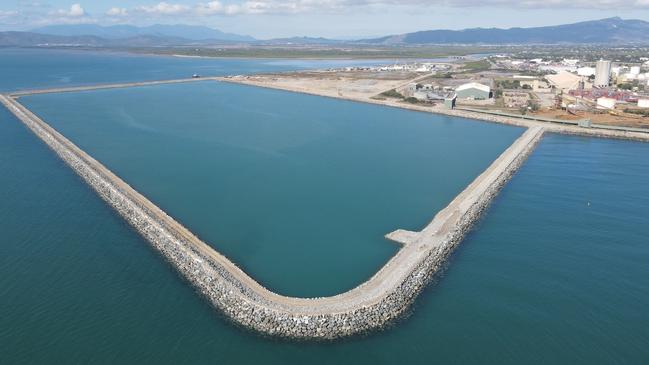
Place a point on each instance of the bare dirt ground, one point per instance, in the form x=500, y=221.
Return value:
x=616, y=118
x=337, y=84
x=364, y=85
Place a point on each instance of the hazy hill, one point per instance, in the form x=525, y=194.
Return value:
x=179, y=31
x=612, y=31
x=300, y=40
x=26, y=39
x=604, y=31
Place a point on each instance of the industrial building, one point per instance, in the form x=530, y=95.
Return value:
x=428, y=96
x=606, y=103
x=515, y=98
x=643, y=103
x=602, y=73
x=474, y=91
x=532, y=82
x=586, y=71
x=594, y=94
x=566, y=81
x=449, y=102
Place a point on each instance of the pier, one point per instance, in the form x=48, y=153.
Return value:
x=369, y=306
x=72, y=89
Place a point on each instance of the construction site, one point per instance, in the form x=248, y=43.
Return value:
x=605, y=94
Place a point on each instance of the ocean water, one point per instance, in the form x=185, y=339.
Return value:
x=26, y=68
x=555, y=272
x=297, y=190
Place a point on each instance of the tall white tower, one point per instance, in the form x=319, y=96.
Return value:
x=602, y=73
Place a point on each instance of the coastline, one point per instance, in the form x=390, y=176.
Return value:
x=549, y=127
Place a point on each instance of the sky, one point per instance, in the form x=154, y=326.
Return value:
x=342, y=19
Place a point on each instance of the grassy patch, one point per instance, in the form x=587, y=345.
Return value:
x=392, y=94
x=644, y=113
x=477, y=66
x=445, y=75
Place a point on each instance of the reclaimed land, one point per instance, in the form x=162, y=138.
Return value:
x=370, y=306
x=314, y=88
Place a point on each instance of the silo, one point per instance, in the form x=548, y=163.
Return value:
x=602, y=73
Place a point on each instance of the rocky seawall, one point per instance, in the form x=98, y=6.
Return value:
x=368, y=307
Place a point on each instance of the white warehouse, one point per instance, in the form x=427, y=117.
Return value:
x=643, y=103
x=473, y=90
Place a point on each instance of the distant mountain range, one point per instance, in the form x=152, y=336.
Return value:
x=29, y=39
x=604, y=31
x=114, y=32
x=301, y=41
x=121, y=36
x=613, y=31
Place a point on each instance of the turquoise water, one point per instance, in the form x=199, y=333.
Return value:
x=545, y=278
x=298, y=190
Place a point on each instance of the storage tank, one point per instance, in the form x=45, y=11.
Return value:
x=602, y=73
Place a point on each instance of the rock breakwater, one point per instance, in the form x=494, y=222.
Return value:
x=367, y=307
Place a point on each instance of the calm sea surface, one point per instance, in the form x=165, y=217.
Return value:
x=35, y=68
x=556, y=272
x=299, y=190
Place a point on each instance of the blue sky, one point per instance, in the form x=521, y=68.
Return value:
x=328, y=18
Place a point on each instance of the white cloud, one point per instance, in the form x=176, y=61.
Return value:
x=75, y=11
x=76, y=14
x=264, y=7
x=117, y=12
x=7, y=13
x=547, y=4
x=213, y=7
x=247, y=7
x=219, y=7
x=10, y=18
x=33, y=13
x=164, y=8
